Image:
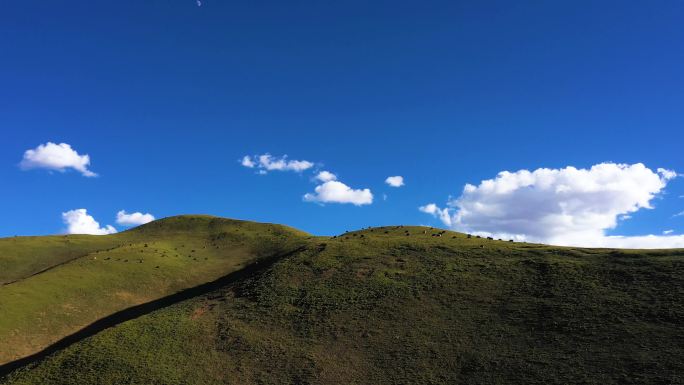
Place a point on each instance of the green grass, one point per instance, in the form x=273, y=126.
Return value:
x=379, y=307
x=90, y=277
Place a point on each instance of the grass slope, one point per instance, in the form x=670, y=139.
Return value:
x=54, y=286
x=381, y=307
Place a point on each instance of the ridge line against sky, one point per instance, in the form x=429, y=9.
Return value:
x=568, y=206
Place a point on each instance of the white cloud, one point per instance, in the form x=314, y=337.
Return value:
x=58, y=157
x=337, y=192
x=433, y=209
x=667, y=174
x=133, y=219
x=642, y=242
x=79, y=222
x=681, y=214
x=395, y=181
x=247, y=162
x=668, y=232
x=326, y=176
x=567, y=206
x=267, y=162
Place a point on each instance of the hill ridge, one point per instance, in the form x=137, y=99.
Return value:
x=371, y=306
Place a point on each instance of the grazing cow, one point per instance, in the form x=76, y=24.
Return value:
x=469, y=236
x=490, y=238
x=482, y=246
x=510, y=240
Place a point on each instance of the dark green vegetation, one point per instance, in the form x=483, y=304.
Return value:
x=379, y=306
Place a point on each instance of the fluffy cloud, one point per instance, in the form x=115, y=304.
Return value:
x=133, y=219
x=433, y=209
x=247, y=162
x=337, y=192
x=680, y=214
x=79, y=222
x=58, y=157
x=395, y=181
x=267, y=162
x=668, y=232
x=667, y=174
x=326, y=176
x=567, y=206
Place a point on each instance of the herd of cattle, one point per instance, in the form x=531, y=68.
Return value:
x=407, y=233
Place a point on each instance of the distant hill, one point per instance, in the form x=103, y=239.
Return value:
x=218, y=301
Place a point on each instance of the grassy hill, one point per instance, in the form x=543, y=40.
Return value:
x=395, y=305
x=54, y=286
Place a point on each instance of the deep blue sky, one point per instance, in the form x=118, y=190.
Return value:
x=166, y=96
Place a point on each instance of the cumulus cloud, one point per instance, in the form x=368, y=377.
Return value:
x=667, y=174
x=433, y=209
x=267, y=162
x=681, y=214
x=247, y=162
x=326, y=176
x=668, y=232
x=79, y=222
x=57, y=157
x=334, y=191
x=395, y=181
x=133, y=219
x=568, y=206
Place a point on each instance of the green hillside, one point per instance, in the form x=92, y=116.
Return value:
x=395, y=305
x=54, y=286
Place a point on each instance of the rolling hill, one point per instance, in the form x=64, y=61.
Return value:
x=218, y=301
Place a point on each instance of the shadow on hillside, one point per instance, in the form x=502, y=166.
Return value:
x=145, y=308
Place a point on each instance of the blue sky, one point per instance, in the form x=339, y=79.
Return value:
x=166, y=98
